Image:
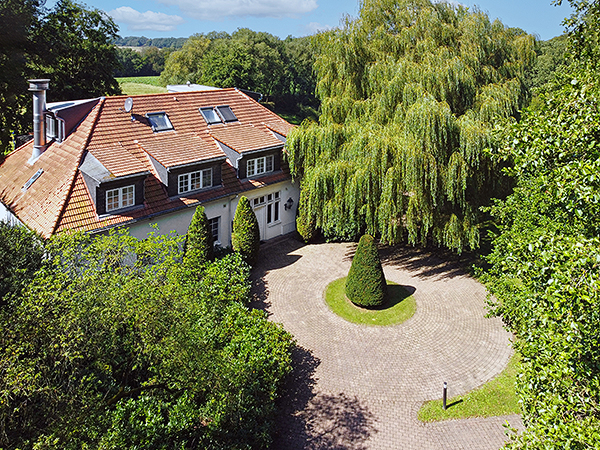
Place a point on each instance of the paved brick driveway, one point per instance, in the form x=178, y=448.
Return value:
x=358, y=387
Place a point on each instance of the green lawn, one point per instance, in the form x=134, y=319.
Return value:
x=495, y=398
x=140, y=85
x=399, y=306
x=154, y=81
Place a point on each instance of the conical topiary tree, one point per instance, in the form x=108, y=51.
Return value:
x=366, y=284
x=246, y=236
x=199, y=242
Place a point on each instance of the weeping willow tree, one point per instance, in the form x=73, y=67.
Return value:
x=411, y=93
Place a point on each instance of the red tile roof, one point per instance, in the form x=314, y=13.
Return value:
x=121, y=142
x=245, y=138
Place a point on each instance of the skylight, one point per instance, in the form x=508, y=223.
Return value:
x=159, y=121
x=218, y=114
x=210, y=115
x=226, y=113
x=32, y=179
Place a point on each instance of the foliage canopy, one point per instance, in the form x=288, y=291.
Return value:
x=116, y=345
x=281, y=70
x=410, y=93
x=69, y=43
x=546, y=261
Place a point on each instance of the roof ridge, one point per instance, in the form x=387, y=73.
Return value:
x=93, y=118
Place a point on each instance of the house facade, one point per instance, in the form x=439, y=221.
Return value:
x=138, y=161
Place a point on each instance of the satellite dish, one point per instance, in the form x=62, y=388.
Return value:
x=128, y=104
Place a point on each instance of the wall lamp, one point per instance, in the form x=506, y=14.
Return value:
x=288, y=205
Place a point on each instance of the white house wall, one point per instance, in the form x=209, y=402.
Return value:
x=8, y=217
x=224, y=208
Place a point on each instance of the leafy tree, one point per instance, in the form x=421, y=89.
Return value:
x=248, y=59
x=114, y=345
x=76, y=52
x=148, y=62
x=300, y=80
x=69, y=44
x=261, y=62
x=17, y=19
x=245, y=238
x=545, y=270
x=186, y=64
x=552, y=56
x=366, y=284
x=410, y=94
x=199, y=248
x=22, y=254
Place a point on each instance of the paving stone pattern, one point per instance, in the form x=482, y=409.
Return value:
x=357, y=387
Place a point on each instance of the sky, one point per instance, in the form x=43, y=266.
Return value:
x=182, y=18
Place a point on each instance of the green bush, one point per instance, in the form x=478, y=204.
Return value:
x=21, y=253
x=366, y=283
x=101, y=353
x=246, y=237
x=199, y=247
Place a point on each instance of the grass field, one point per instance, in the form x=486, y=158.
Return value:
x=154, y=81
x=140, y=85
x=399, y=306
x=495, y=398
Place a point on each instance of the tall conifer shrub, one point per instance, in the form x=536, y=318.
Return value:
x=366, y=284
x=246, y=235
x=199, y=243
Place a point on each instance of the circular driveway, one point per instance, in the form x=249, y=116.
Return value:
x=361, y=387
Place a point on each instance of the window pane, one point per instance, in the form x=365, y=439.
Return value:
x=269, y=163
x=159, y=122
x=269, y=215
x=207, y=178
x=260, y=165
x=210, y=115
x=183, y=183
x=277, y=194
x=227, y=113
x=196, y=180
x=251, y=165
x=112, y=199
x=214, y=228
x=127, y=196
x=276, y=211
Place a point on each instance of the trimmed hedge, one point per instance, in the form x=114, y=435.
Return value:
x=366, y=284
x=199, y=247
x=245, y=238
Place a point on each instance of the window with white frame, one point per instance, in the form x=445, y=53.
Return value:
x=273, y=203
x=194, y=180
x=120, y=198
x=213, y=225
x=258, y=166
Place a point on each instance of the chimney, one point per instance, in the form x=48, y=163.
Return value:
x=39, y=88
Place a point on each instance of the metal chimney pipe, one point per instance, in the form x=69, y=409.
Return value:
x=39, y=88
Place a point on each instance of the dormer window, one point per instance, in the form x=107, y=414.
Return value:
x=120, y=198
x=159, y=121
x=193, y=181
x=258, y=166
x=218, y=114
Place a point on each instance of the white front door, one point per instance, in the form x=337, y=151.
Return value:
x=267, y=210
